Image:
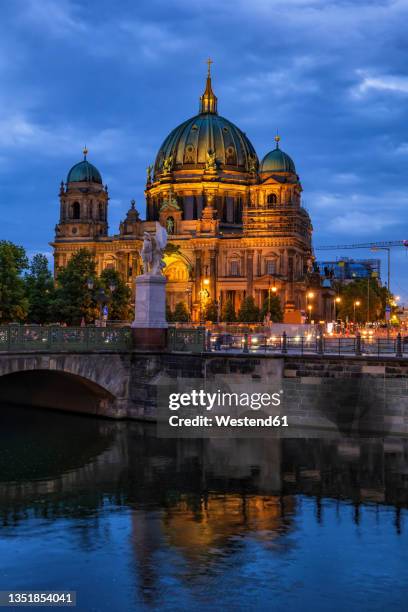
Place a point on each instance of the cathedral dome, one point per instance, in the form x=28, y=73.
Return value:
x=277, y=161
x=84, y=171
x=188, y=145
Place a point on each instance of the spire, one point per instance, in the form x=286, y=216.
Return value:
x=277, y=140
x=208, y=101
x=85, y=152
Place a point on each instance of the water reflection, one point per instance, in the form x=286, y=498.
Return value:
x=131, y=521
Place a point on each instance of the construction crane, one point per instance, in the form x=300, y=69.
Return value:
x=374, y=246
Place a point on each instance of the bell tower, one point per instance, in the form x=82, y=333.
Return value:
x=83, y=204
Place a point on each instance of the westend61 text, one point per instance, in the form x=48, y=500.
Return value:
x=228, y=421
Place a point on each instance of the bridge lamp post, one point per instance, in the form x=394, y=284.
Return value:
x=101, y=298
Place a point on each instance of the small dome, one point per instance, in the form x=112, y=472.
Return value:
x=277, y=161
x=84, y=171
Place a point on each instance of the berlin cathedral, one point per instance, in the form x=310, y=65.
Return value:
x=236, y=225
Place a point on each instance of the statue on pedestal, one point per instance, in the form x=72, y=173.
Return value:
x=152, y=251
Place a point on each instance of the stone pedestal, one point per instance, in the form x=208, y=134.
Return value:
x=150, y=325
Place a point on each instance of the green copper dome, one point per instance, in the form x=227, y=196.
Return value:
x=277, y=161
x=84, y=171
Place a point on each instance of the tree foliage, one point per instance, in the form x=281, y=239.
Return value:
x=272, y=305
x=228, y=314
x=74, y=301
x=13, y=301
x=39, y=285
x=249, y=311
x=372, y=298
x=211, y=311
x=181, y=314
x=120, y=306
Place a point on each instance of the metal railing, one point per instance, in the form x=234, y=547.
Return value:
x=191, y=340
x=300, y=345
x=15, y=338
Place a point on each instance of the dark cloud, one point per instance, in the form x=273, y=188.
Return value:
x=331, y=76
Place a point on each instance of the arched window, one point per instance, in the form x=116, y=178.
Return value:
x=100, y=207
x=76, y=210
x=272, y=198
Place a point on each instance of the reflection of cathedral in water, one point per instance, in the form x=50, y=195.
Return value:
x=196, y=500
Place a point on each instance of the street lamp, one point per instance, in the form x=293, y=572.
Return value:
x=101, y=298
x=274, y=290
x=355, y=304
x=337, y=300
x=309, y=307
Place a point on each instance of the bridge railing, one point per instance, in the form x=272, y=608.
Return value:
x=186, y=340
x=14, y=338
x=304, y=345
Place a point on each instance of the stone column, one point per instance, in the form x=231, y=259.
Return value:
x=198, y=272
x=250, y=272
x=213, y=275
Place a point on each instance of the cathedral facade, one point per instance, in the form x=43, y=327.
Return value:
x=236, y=225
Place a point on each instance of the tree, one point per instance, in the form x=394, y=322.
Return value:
x=181, y=314
x=372, y=297
x=120, y=305
x=74, y=301
x=272, y=304
x=13, y=301
x=249, y=311
x=228, y=312
x=40, y=292
x=211, y=311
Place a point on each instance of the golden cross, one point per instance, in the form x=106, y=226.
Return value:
x=209, y=62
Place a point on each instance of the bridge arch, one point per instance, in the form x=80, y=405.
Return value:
x=91, y=384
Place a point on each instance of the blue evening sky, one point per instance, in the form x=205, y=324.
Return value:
x=331, y=76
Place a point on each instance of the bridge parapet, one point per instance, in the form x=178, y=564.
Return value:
x=16, y=338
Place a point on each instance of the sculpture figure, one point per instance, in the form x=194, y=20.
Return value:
x=152, y=251
x=210, y=163
x=167, y=163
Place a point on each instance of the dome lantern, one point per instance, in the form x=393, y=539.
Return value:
x=208, y=101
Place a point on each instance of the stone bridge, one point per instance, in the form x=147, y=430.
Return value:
x=325, y=391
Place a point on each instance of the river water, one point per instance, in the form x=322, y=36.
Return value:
x=133, y=522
